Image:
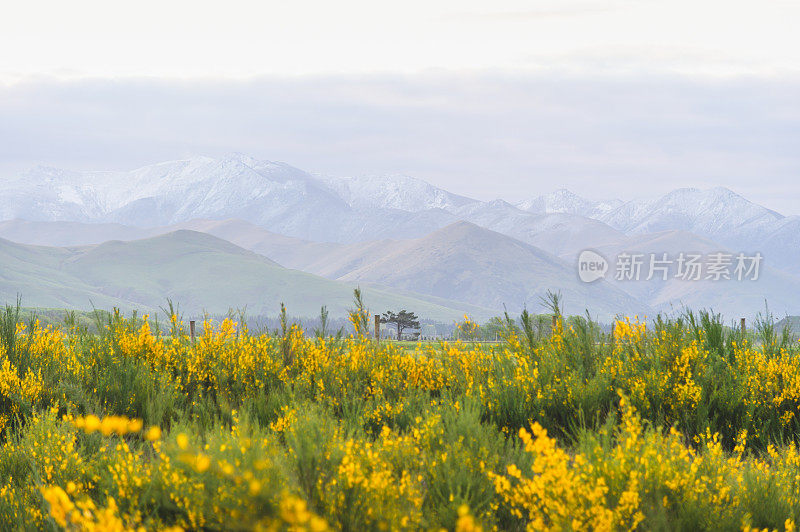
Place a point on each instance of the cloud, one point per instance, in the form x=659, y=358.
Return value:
x=484, y=134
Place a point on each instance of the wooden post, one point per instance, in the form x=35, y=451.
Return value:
x=191, y=329
x=378, y=327
x=744, y=326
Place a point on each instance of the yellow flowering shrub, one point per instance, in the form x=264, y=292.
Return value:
x=656, y=426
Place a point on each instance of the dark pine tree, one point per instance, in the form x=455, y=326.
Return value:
x=402, y=320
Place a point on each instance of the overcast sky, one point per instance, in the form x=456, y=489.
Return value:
x=489, y=99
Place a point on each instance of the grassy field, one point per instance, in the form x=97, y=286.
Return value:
x=680, y=425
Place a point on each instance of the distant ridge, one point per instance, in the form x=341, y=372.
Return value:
x=470, y=263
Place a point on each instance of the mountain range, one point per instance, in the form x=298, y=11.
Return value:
x=400, y=236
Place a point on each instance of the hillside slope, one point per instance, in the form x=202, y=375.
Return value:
x=469, y=263
x=197, y=270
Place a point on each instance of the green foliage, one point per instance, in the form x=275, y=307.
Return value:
x=8, y=327
x=402, y=320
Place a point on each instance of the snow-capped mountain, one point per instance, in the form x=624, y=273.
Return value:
x=271, y=195
x=564, y=201
x=779, y=243
x=289, y=201
x=275, y=195
x=399, y=192
x=718, y=214
x=715, y=213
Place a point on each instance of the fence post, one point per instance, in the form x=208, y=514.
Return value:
x=744, y=326
x=191, y=329
x=378, y=327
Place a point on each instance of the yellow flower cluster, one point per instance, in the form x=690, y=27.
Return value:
x=84, y=514
x=120, y=425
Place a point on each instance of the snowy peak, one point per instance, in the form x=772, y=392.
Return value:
x=499, y=204
x=566, y=202
x=716, y=200
x=243, y=159
x=201, y=187
x=715, y=212
x=399, y=192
